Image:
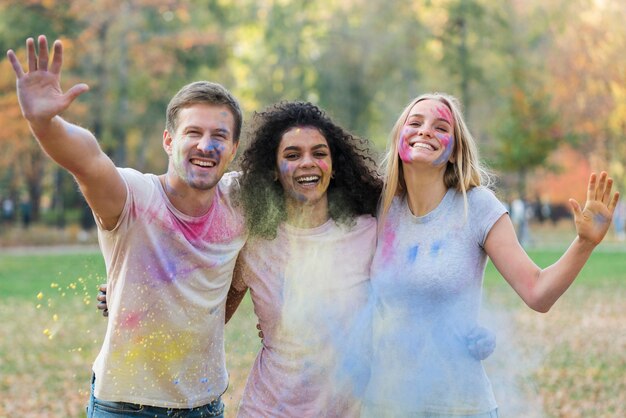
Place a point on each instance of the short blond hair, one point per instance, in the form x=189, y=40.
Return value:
x=203, y=92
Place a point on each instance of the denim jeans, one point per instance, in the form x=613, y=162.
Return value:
x=105, y=409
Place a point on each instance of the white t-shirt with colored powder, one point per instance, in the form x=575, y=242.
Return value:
x=168, y=276
x=427, y=278
x=307, y=287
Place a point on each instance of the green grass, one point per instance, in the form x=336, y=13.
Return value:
x=602, y=268
x=47, y=344
x=24, y=276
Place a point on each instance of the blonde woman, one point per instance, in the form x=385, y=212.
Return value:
x=438, y=223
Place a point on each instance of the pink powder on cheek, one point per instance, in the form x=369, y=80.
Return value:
x=444, y=139
x=403, y=147
x=448, y=143
x=323, y=165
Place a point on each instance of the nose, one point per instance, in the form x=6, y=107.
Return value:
x=426, y=130
x=307, y=160
x=207, y=145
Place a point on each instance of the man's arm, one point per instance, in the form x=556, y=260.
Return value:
x=72, y=147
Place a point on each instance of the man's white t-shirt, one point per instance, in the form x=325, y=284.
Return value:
x=168, y=276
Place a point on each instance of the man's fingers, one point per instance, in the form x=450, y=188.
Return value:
x=76, y=91
x=15, y=63
x=32, y=57
x=57, y=58
x=42, y=62
x=102, y=287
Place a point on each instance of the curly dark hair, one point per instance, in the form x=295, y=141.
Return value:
x=354, y=190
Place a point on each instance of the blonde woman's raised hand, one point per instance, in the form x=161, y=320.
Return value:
x=593, y=221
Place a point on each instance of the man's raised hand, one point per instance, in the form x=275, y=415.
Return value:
x=39, y=90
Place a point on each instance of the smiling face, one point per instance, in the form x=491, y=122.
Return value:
x=304, y=166
x=202, y=146
x=427, y=134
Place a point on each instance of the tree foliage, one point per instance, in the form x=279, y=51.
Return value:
x=530, y=74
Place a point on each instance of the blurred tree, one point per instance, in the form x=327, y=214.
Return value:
x=528, y=130
x=21, y=153
x=588, y=74
x=368, y=69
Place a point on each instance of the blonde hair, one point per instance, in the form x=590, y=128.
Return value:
x=465, y=173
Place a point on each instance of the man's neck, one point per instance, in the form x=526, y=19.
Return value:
x=190, y=201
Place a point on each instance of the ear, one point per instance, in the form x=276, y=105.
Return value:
x=235, y=147
x=167, y=142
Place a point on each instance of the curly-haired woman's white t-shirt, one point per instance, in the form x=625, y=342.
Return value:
x=168, y=275
x=308, y=286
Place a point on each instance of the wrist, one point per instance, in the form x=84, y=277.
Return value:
x=585, y=244
x=41, y=126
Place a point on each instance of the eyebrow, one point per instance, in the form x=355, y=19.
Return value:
x=296, y=148
x=223, y=130
x=419, y=115
x=199, y=128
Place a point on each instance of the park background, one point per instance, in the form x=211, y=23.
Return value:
x=543, y=84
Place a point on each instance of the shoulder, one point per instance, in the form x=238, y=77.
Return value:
x=132, y=176
x=230, y=182
x=482, y=197
x=366, y=222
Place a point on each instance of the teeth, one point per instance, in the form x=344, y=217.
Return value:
x=423, y=145
x=308, y=179
x=203, y=163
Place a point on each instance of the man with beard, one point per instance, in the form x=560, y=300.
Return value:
x=169, y=242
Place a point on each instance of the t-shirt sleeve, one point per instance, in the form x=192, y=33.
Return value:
x=485, y=210
x=139, y=188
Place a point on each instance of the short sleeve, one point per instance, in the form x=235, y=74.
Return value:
x=484, y=211
x=139, y=188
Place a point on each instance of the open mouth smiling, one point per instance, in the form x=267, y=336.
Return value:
x=202, y=163
x=310, y=180
x=423, y=145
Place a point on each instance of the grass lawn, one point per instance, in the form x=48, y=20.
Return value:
x=570, y=362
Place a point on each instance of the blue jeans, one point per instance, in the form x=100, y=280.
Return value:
x=105, y=409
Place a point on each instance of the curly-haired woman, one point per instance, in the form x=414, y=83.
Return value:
x=309, y=192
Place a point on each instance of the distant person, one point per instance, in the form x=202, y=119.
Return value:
x=169, y=243
x=8, y=210
x=519, y=217
x=438, y=224
x=26, y=212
